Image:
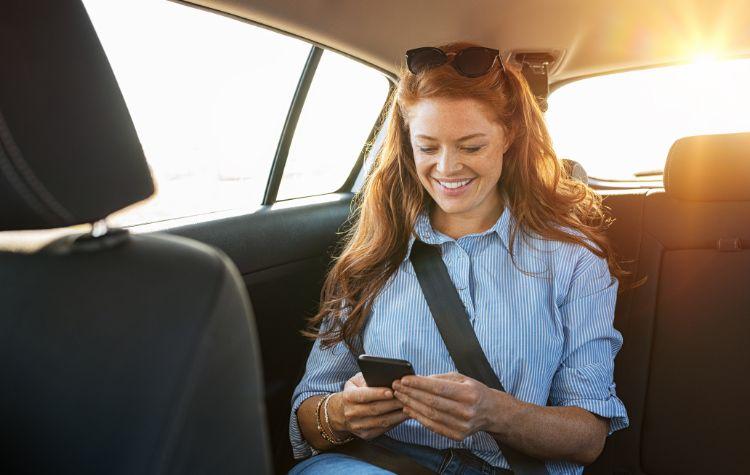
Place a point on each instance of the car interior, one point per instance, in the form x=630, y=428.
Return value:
x=173, y=345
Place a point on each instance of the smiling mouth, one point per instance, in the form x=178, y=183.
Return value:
x=454, y=184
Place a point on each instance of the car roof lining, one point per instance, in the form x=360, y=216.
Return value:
x=595, y=37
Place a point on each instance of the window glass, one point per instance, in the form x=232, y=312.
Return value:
x=341, y=109
x=621, y=126
x=208, y=95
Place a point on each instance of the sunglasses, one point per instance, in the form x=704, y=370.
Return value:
x=472, y=62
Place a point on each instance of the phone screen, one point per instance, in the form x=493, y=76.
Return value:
x=381, y=372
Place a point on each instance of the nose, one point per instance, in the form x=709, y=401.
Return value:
x=447, y=162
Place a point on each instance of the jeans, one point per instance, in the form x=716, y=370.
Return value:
x=445, y=461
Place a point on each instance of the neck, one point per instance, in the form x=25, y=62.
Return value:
x=457, y=225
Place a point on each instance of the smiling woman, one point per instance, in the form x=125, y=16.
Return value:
x=460, y=164
x=467, y=166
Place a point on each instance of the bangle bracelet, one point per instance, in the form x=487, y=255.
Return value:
x=329, y=437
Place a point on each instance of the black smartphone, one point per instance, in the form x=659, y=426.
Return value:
x=382, y=372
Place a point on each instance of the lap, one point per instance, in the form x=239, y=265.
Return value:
x=336, y=464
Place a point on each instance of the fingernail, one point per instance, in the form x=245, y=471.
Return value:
x=387, y=394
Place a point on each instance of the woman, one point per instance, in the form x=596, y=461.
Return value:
x=467, y=165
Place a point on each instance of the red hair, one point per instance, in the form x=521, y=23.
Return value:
x=544, y=200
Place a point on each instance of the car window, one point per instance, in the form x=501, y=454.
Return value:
x=342, y=106
x=621, y=126
x=209, y=96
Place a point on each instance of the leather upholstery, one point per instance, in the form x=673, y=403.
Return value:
x=682, y=369
x=61, y=118
x=709, y=168
x=120, y=354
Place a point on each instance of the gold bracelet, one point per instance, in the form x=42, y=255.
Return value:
x=329, y=437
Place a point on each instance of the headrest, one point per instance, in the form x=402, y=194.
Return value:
x=69, y=153
x=709, y=168
x=576, y=170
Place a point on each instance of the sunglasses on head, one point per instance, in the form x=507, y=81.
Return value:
x=472, y=62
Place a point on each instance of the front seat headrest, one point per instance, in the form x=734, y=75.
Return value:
x=69, y=153
x=709, y=168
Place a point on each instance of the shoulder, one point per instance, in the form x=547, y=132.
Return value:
x=563, y=261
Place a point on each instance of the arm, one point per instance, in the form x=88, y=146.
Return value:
x=326, y=372
x=585, y=407
x=353, y=409
x=357, y=410
x=457, y=406
x=549, y=433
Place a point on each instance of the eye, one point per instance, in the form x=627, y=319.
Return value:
x=473, y=149
x=427, y=149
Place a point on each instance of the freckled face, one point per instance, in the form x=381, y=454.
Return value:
x=458, y=152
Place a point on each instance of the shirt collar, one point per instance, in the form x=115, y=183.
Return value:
x=426, y=233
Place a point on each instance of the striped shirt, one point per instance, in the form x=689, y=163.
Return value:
x=547, y=332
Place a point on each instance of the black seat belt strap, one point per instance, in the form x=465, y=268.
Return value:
x=459, y=337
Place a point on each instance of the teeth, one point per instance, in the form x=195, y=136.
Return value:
x=454, y=184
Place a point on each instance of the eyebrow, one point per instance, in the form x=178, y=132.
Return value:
x=427, y=137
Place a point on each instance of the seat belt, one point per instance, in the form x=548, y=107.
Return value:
x=459, y=337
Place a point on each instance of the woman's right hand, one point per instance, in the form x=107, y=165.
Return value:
x=364, y=411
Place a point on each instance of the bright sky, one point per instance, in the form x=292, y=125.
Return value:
x=619, y=124
x=209, y=96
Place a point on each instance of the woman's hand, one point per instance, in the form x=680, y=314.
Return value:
x=450, y=404
x=363, y=411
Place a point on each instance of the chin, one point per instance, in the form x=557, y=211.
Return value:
x=452, y=208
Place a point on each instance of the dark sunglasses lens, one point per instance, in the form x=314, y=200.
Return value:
x=422, y=59
x=474, y=62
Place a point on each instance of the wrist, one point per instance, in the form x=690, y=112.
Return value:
x=505, y=410
x=336, y=416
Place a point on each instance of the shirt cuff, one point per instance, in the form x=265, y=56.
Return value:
x=300, y=448
x=611, y=408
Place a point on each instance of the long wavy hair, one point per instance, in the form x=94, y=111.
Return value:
x=542, y=197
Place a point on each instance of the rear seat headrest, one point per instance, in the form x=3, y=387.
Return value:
x=709, y=168
x=69, y=153
x=576, y=170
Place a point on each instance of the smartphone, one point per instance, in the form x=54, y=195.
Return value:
x=382, y=372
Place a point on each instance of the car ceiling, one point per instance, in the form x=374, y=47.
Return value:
x=589, y=36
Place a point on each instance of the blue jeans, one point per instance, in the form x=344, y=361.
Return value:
x=446, y=461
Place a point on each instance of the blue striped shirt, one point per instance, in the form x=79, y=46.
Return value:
x=547, y=333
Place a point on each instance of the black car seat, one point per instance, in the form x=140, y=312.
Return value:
x=683, y=369
x=119, y=353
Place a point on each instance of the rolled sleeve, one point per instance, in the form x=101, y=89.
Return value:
x=585, y=376
x=326, y=372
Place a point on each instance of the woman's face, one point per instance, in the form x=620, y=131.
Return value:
x=458, y=151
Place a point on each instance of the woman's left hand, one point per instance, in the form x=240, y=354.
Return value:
x=450, y=404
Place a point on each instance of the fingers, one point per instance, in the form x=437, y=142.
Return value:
x=435, y=426
x=436, y=409
x=358, y=380
x=438, y=404
x=446, y=387
x=358, y=395
x=383, y=422
x=452, y=376
x=376, y=408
